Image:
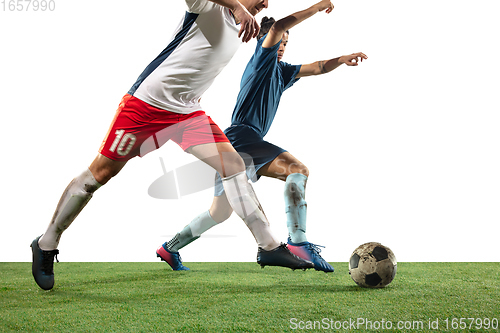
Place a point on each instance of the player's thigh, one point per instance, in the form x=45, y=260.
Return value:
x=283, y=166
x=221, y=156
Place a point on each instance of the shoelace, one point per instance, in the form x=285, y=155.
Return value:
x=178, y=259
x=315, y=249
x=48, y=261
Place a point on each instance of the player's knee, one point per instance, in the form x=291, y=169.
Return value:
x=304, y=170
x=104, y=168
x=104, y=174
x=232, y=164
x=298, y=168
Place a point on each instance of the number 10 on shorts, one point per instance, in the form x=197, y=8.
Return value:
x=123, y=141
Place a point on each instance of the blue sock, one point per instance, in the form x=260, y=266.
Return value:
x=296, y=207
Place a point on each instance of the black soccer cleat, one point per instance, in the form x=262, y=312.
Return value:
x=281, y=256
x=43, y=265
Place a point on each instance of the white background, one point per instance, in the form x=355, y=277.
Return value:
x=402, y=149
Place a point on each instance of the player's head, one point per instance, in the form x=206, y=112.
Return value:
x=255, y=6
x=265, y=26
x=284, y=42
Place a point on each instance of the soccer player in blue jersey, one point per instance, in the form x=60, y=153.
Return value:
x=265, y=79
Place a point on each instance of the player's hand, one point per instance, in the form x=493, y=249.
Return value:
x=325, y=4
x=352, y=59
x=249, y=26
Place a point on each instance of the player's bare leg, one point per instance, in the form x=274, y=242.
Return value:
x=283, y=166
x=295, y=174
x=74, y=198
x=221, y=209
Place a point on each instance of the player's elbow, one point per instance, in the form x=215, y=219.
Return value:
x=278, y=28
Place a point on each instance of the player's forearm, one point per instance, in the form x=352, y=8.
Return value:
x=319, y=67
x=290, y=21
x=327, y=66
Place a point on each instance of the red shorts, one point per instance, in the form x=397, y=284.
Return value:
x=139, y=128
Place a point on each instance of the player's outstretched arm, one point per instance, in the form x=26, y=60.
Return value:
x=280, y=26
x=249, y=27
x=326, y=66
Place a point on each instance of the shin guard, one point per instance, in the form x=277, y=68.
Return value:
x=75, y=197
x=244, y=202
x=296, y=207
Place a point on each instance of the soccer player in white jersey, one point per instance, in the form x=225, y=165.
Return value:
x=265, y=79
x=164, y=104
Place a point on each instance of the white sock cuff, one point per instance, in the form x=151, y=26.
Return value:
x=86, y=178
x=236, y=175
x=296, y=177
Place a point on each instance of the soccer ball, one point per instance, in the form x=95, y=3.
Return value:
x=372, y=265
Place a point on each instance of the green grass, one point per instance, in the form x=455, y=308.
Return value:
x=240, y=297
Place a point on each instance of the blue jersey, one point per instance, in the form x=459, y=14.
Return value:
x=263, y=82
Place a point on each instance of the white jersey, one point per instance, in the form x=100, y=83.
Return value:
x=202, y=45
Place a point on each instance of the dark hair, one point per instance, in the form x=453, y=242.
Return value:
x=265, y=25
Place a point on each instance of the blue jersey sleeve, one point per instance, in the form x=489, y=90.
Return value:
x=263, y=56
x=289, y=73
x=261, y=87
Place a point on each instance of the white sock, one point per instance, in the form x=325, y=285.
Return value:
x=191, y=232
x=74, y=198
x=244, y=202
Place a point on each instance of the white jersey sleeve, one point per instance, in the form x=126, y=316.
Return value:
x=199, y=6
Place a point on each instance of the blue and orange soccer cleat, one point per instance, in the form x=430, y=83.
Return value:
x=309, y=251
x=171, y=258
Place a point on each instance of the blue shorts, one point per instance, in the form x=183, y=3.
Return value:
x=253, y=149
